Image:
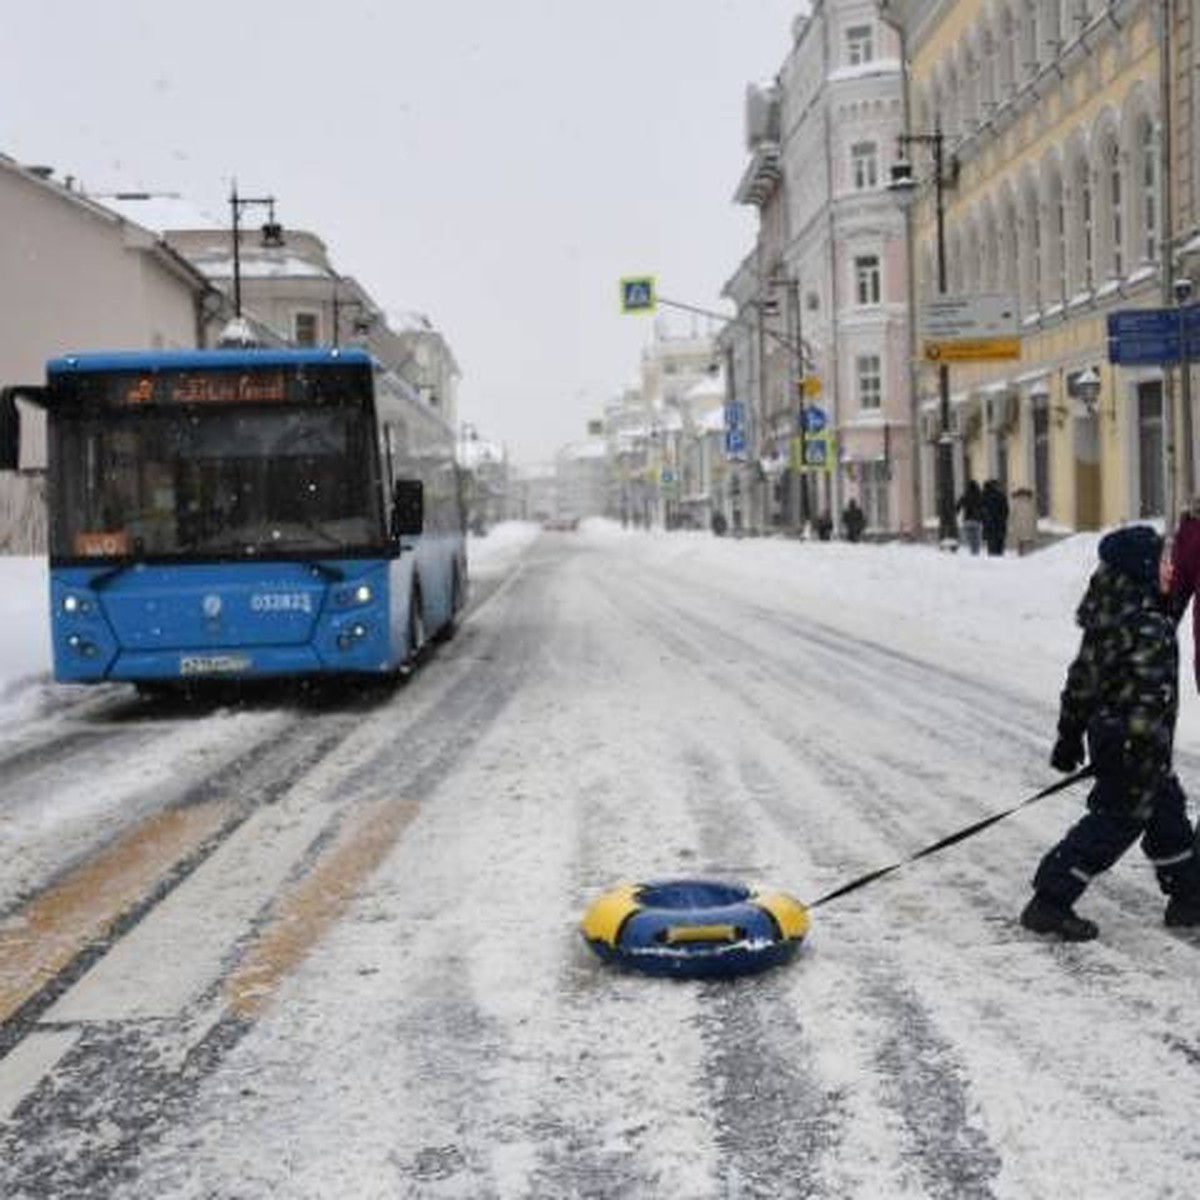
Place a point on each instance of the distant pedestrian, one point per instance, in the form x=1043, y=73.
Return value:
x=970, y=506
x=1024, y=519
x=854, y=520
x=719, y=525
x=1122, y=695
x=995, y=517
x=824, y=526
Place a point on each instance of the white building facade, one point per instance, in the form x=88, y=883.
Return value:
x=828, y=279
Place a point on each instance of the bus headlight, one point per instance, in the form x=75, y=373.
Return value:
x=76, y=604
x=348, y=596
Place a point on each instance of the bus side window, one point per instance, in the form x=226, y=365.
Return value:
x=408, y=507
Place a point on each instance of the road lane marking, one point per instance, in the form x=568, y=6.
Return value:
x=316, y=902
x=41, y=939
x=179, y=951
x=23, y=1069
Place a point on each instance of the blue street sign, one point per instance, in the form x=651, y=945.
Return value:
x=816, y=452
x=1152, y=336
x=1143, y=323
x=813, y=419
x=1144, y=351
x=735, y=442
x=735, y=415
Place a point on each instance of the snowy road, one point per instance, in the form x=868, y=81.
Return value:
x=332, y=950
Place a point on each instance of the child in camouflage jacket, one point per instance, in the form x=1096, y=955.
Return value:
x=1122, y=694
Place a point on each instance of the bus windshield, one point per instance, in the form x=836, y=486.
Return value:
x=213, y=480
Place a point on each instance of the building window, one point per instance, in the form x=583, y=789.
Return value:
x=1041, y=457
x=860, y=44
x=1151, y=455
x=1087, y=246
x=864, y=166
x=1149, y=191
x=305, y=327
x=874, y=477
x=1116, y=210
x=870, y=385
x=866, y=277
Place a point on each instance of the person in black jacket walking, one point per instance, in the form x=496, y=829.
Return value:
x=970, y=507
x=1122, y=695
x=995, y=517
x=854, y=520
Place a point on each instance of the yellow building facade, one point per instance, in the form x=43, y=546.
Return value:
x=1054, y=192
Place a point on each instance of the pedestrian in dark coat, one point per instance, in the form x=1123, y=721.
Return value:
x=970, y=507
x=995, y=517
x=854, y=520
x=824, y=526
x=1122, y=695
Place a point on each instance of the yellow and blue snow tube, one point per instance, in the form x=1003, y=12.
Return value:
x=694, y=929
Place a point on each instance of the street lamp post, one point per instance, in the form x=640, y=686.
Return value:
x=272, y=236
x=903, y=187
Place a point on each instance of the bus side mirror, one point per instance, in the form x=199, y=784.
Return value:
x=10, y=422
x=408, y=507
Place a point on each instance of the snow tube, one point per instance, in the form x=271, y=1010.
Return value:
x=694, y=929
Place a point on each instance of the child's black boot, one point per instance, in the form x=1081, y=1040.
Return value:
x=1042, y=915
x=1183, y=910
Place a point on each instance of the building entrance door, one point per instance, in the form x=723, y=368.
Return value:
x=1087, y=472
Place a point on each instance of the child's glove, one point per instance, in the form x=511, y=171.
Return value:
x=1067, y=754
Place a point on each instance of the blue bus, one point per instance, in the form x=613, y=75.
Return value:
x=243, y=514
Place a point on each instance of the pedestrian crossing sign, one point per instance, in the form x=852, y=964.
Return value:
x=637, y=294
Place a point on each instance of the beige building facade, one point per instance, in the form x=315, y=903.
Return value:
x=1056, y=192
x=79, y=277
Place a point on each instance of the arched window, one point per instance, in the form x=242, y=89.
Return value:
x=969, y=75
x=952, y=113
x=1030, y=47
x=1050, y=30
x=971, y=259
x=1006, y=60
x=1083, y=248
x=1147, y=144
x=1008, y=278
x=988, y=97
x=1054, y=251
x=955, y=274
x=1033, y=248
x=989, y=256
x=1114, y=196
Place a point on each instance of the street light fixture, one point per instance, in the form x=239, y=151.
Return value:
x=903, y=187
x=1087, y=388
x=272, y=236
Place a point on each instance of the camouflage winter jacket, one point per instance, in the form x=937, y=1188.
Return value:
x=1122, y=690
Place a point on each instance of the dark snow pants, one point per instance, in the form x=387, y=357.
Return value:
x=1104, y=834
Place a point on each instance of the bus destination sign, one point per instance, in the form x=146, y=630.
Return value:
x=205, y=387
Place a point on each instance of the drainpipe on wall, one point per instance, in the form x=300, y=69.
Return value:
x=1167, y=214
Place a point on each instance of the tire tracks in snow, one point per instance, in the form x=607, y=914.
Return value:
x=776, y=1118
x=115, y=1093
x=123, y=1087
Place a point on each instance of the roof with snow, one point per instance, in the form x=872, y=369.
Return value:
x=160, y=212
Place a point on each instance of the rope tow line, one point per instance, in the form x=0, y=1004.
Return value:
x=1084, y=773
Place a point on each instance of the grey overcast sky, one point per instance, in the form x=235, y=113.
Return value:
x=495, y=164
